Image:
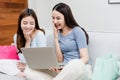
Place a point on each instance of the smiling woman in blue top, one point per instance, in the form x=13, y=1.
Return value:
x=71, y=40
x=71, y=43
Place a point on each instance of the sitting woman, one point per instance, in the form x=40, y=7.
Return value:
x=28, y=34
x=71, y=44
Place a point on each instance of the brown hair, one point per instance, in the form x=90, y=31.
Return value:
x=20, y=36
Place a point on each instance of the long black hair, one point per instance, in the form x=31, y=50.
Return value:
x=69, y=19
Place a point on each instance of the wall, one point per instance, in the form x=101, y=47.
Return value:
x=93, y=15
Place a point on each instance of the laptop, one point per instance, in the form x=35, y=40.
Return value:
x=40, y=57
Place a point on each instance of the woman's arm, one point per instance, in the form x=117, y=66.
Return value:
x=82, y=44
x=28, y=40
x=27, y=44
x=57, y=46
x=58, y=51
x=84, y=54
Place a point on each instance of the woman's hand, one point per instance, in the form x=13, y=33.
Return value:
x=55, y=33
x=27, y=37
x=21, y=66
x=55, y=69
x=57, y=46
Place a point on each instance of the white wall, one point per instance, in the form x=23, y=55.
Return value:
x=93, y=15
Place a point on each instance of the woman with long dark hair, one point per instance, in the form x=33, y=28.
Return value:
x=29, y=34
x=71, y=44
x=28, y=30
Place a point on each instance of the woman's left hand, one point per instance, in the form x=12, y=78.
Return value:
x=55, y=69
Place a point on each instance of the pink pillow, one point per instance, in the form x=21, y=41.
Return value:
x=8, y=52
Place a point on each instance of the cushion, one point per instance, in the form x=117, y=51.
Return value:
x=8, y=52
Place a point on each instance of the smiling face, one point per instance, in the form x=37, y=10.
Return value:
x=58, y=19
x=28, y=24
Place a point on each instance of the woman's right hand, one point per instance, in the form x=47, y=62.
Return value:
x=28, y=39
x=21, y=66
x=27, y=36
x=55, y=33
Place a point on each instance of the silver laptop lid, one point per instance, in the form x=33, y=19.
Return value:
x=40, y=58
